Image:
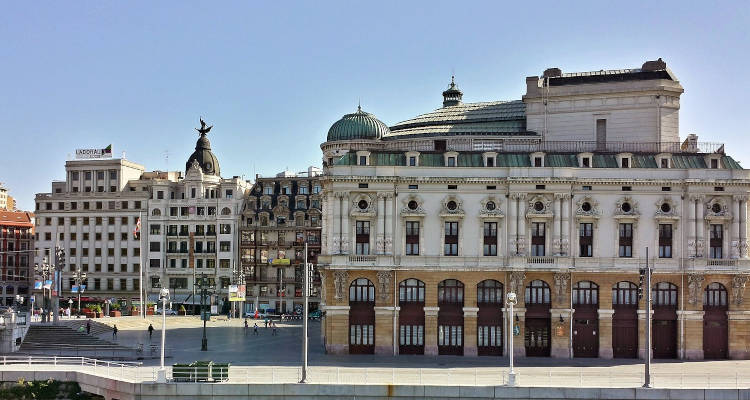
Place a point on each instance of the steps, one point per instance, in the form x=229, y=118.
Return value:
x=63, y=340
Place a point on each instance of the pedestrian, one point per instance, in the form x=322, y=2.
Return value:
x=88, y=327
x=265, y=320
x=274, y=328
x=114, y=332
x=245, y=330
x=255, y=329
x=150, y=331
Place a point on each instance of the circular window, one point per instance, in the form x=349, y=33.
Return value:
x=490, y=205
x=626, y=207
x=716, y=208
x=207, y=167
x=665, y=207
x=362, y=204
x=412, y=205
x=452, y=205
x=538, y=206
x=586, y=206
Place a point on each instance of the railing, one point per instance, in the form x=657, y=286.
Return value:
x=540, y=260
x=132, y=371
x=532, y=144
x=363, y=259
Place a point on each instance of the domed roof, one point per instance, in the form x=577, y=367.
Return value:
x=359, y=125
x=205, y=157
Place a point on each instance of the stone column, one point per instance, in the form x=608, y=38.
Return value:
x=522, y=224
x=336, y=221
x=519, y=347
x=430, y=330
x=691, y=227
x=739, y=339
x=642, y=330
x=556, y=224
x=512, y=224
x=470, y=331
x=693, y=345
x=735, y=235
x=384, y=330
x=743, y=228
x=605, y=333
x=560, y=345
x=345, y=239
x=389, y=235
x=565, y=235
x=700, y=244
x=337, y=329
x=379, y=231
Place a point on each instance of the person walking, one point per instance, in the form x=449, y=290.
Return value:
x=88, y=327
x=150, y=331
x=273, y=324
x=114, y=332
x=265, y=321
x=255, y=329
x=245, y=327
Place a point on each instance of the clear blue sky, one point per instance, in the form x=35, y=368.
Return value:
x=273, y=76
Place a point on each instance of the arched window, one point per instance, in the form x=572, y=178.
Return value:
x=537, y=292
x=361, y=290
x=664, y=294
x=625, y=293
x=490, y=291
x=155, y=212
x=715, y=295
x=226, y=211
x=411, y=291
x=450, y=291
x=586, y=292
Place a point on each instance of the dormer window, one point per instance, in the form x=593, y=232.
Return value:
x=664, y=163
x=412, y=158
x=490, y=162
x=537, y=159
x=625, y=160
x=586, y=162
x=363, y=158
x=489, y=159
x=663, y=160
x=451, y=161
x=714, y=163
x=412, y=161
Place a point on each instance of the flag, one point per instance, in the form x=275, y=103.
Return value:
x=38, y=285
x=137, y=229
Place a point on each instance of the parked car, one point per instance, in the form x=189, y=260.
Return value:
x=315, y=315
x=169, y=311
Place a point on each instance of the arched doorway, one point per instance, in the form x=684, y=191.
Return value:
x=664, y=330
x=537, y=329
x=490, y=318
x=625, y=320
x=586, y=319
x=715, y=324
x=411, y=316
x=451, y=317
x=362, y=317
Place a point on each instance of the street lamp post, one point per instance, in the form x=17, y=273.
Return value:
x=512, y=300
x=205, y=285
x=164, y=297
x=79, y=277
x=44, y=270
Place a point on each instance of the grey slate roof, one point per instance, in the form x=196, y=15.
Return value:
x=495, y=118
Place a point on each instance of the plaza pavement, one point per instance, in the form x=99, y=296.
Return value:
x=275, y=359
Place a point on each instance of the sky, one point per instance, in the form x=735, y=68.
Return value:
x=272, y=77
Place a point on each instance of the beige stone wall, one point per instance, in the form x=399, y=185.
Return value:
x=689, y=325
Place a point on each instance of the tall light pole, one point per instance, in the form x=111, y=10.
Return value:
x=647, y=371
x=44, y=269
x=79, y=277
x=306, y=289
x=161, y=375
x=205, y=286
x=512, y=300
x=58, y=267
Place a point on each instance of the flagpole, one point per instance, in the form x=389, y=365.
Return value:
x=140, y=270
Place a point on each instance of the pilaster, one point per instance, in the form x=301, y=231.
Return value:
x=470, y=331
x=605, y=333
x=560, y=345
x=430, y=330
x=693, y=331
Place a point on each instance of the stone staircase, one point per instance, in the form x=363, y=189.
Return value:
x=63, y=340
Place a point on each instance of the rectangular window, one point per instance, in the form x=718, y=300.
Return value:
x=362, y=160
x=363, y=237
x=154, y=246
x=586, y=240
x=627, y=188
x=412, y=161
x=490, y=162
x=451, y=239
x=541, y=187
x=363, y=185
x=451, y=161
x=225, y=228
x=626, y=240
x=155, y=229
x=537, y=161
x=538, y=239
x=225, y=246
x=625, y=162
x=714, y=164
x=586, y=162
x=452, y=187
x=716, y=240
x=412, y=238
x=413, y=187
x=666, y=188
x=665, y=240
x=490, y=239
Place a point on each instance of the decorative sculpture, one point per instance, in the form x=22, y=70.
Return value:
x=695, y=284
x=738, y=288
x=384, y=282
x=340, y=281
x=203, y=130
x=561, y=285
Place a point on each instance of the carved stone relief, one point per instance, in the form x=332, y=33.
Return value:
x=561, y=285
x=738, y=288
x=695, y=286
x=340, y=283
x=384, y=283
x=516, y=281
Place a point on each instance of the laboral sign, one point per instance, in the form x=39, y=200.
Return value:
x=95, y=153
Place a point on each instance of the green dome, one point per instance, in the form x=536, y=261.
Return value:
x=359, y=125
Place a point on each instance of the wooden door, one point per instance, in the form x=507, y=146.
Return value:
x=537, y=337
x=715, y=335
x=411, y=316
x=664, y=334
x=490, y=330
x=585, y=337
x=625, y=333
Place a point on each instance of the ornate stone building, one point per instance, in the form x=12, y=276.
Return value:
x=560, y=197
x=280, y=215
